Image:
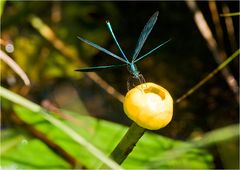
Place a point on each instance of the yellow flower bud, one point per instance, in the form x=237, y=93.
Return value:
x=149, y=105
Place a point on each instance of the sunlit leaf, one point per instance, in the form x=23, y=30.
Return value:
x=105, y=135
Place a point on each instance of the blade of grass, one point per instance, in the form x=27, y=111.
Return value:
x=16, y=68
x=15, y=98
x=230, y=14
x=209, y=76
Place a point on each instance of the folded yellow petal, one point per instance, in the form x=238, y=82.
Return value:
x=149, y=105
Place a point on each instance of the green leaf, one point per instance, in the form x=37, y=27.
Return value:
x=32, y=154
x=153, y=146
x=37, y=110
x=18, y=151
x=86, y=128
x=10, y=138
x=106, y=135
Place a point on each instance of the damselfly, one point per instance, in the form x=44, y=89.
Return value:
x=130, y=64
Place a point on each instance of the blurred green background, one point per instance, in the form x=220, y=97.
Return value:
x=41, y=37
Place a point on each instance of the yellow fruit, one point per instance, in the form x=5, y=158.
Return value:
x=149, y=105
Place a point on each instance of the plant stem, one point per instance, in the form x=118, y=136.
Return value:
x=209, y=76
x=230, y=14
x=126, y=145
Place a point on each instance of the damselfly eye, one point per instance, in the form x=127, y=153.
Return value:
x=151, y=107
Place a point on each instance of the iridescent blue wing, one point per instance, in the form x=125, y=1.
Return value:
x=144, y=34
x=98, y=68
x=111, y=31
x=145, y=55
x=102, y=49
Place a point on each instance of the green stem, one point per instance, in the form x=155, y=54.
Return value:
x=128, y=142
x=230, y=14
x=209, y=76
x=126, y=145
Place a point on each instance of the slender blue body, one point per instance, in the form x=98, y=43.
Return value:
x=130, y=65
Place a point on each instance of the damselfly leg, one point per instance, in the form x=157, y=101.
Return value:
x=142, y=81
x=134, y=81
